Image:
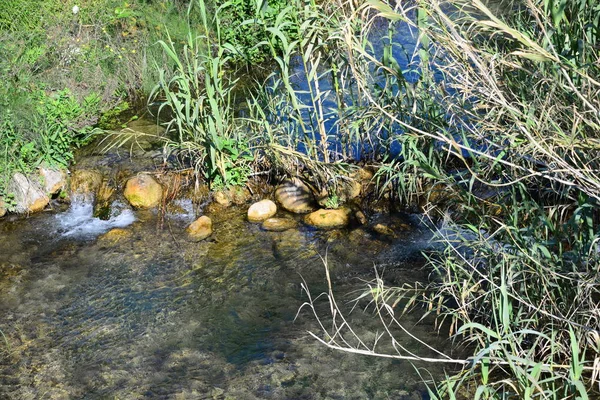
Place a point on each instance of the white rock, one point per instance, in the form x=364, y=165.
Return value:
x=261, y=210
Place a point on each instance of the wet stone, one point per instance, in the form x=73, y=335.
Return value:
x=200, y=229
x=143, y=191
x=383, y=229
x=261, y=210
x=328, y=219
x=115, y=235
x=295, y=196
x=85, y=182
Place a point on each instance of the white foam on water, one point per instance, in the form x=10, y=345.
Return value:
x=79, y=220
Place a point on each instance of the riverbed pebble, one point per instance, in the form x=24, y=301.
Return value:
x=200, y=229
x=328, y=219
x=261, y=210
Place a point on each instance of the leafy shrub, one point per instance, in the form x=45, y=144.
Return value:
x=244, y=23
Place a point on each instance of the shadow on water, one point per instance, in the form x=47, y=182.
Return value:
x=143, y=313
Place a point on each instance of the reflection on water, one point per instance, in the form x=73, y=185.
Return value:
x=150, y=315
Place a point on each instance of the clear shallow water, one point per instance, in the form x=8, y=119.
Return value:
x=149, y=315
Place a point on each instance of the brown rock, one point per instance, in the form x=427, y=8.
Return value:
x=328, y=219
x=2, y=208
x=295, y=196
x=384, y=230
x=261, y=210
x=85, y=181
x=143, y=191
x=279, y=224
x=29, y=195
x=361, y=217
x=200, y=229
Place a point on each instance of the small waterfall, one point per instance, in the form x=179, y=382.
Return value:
x=79, y=220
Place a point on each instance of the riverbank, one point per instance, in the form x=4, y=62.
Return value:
x=497, y=114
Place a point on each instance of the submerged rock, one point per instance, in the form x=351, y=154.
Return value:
x=200, y=229
x=384, y=230
x=53, y=180
x=279, y=224
x=361, y=217
x=115, y=235
x=328, y=219
x=295, y=196
x=29, y=194
x=143, y=191
x=261, y=210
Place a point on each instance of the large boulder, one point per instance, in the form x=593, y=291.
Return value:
x=328, y=219
x=85, y=183
x=200, y=229
x=261, y=210
x=143, y=191
x=295, y=196
x=278, y=224
x=28, y=194
x=53, y=180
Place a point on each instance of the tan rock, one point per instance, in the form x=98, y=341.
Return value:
x=222, y=198
x=361, y=217
x=279, y=224
x=53, y=180
x=261, y=210
x=328, y=219
x=2, y=208
x=200, y=229
x=385, y=230
x=29, y=195
x=295, y=196
x=115, y=235
x=85, y=182
x=143, y=191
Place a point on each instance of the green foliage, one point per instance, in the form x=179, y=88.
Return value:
x=56, y=125
x=112, y=118
x=243, y=25
x=199, y=96
x=332, y=202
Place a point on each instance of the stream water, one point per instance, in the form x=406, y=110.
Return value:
x=143, y=313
